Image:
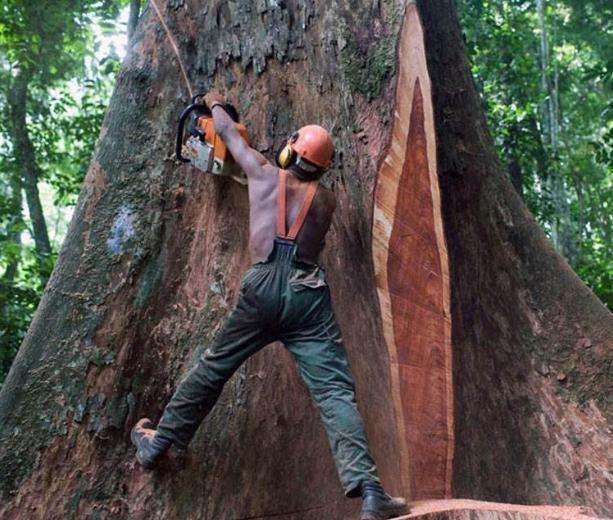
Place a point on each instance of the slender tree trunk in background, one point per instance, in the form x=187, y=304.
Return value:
x=578, y=185
x=480, y=357
x=562, y=229
x=513, y=165
x=133, y=17
x=510, y=145
x=565, y=226
x=14, y=236
x=11, y=268
x=26, y=164
x=7, y=279
x=542, y=166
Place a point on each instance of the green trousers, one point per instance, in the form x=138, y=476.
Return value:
x=286, y=300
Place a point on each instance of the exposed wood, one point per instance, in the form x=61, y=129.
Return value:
x=412, y=273
x=460, y=509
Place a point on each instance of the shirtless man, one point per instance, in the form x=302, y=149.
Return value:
x=283, y=296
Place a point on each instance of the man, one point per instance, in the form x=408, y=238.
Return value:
x=283, y=296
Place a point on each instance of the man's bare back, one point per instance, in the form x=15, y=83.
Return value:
x=263, y=196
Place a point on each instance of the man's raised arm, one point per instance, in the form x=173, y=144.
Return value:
x=250, y=160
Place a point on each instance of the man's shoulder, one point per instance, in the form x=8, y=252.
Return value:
x=267, y=174
x=327, y=197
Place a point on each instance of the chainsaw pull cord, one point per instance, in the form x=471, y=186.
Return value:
x=174, y=46
x=311, y=189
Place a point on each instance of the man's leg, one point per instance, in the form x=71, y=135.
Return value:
x=198, y=392
x=322, y=361
x=241, y=336
x=323, y=365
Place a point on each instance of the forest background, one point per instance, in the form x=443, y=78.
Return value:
x=543, y=69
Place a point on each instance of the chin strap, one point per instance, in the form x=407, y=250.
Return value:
x=307, y=166
x=311, y=189
x=306, y=176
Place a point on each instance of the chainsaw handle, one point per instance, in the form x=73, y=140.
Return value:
x=181, y=128
x=230, y=109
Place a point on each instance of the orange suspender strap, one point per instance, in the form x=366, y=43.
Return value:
x=306, y=205
x=281, y=203
x=304, y=209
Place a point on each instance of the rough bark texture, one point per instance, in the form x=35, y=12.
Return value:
x=151, y=266
x=152, y=260
x=531, y=343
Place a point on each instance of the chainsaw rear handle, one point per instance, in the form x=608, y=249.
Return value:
x=206, y=111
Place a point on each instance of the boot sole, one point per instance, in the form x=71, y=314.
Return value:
x=143, y=423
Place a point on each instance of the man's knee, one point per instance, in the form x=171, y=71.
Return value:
x=340, y=392
x=204, y=377
x=218, y=366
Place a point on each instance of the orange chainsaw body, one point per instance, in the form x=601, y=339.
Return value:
x=209, y=153
x=210, y=136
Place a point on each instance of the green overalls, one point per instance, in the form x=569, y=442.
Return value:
x=286, y=300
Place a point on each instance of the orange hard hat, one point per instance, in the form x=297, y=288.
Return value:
x=313, y=143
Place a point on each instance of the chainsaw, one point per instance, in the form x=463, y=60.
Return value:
x=202, y=147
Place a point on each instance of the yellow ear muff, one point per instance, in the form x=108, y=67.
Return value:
x=285, y=156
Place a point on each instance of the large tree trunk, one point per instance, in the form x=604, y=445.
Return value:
x=531, y=343
x=481, y=359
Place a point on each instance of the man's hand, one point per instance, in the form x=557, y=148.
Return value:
x=213, y=97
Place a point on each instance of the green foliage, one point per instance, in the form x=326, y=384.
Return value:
x=69, y=86
x=503, y=40
x=66, y=126
x=49, y=38
x=18, y=301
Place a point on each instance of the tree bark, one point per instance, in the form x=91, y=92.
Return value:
x=531, y=342
x=480, y=357
x=25, y=159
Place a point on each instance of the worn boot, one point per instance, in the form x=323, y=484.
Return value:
x=378, y=505
x=149, y=445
